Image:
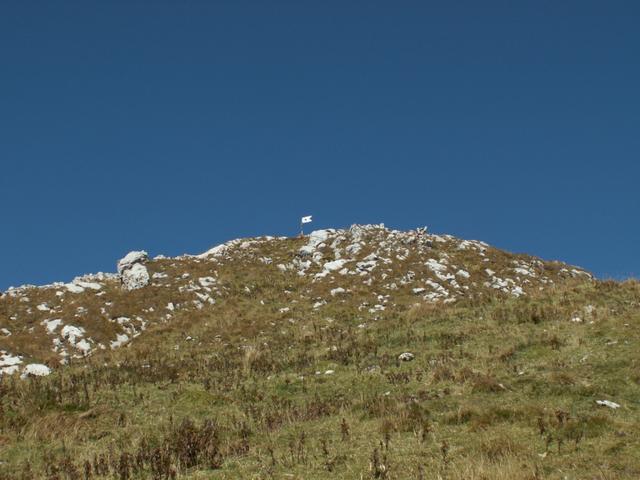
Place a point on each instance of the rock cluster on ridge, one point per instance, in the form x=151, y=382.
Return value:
x=372, y=268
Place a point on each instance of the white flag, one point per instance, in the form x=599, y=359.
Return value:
x=306, y=219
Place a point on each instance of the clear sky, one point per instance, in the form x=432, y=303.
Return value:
x=172, y=126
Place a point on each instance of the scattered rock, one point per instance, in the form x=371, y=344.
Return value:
x=72, y=334
x=341, y=262
x=52, y=325
x=607, y=403
x=73, y=288
x=306, y=251
x=35, y=370
x=8, y=363
x=90, y=285
x=120, y=340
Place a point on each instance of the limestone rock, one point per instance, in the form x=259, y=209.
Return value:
x=135, y=277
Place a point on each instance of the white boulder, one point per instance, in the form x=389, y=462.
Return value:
x=73, y=288
x=72, y=334
x=133, y=273
x=131, y=259
x=135, y=277
x=8, y=363
x=319, y=236
x=35, y=370
x=406, y=356
x=306, y=251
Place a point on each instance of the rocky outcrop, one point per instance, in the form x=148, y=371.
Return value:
x=132, y=258
x=132, y=271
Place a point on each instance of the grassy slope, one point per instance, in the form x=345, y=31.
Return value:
x=499, y=388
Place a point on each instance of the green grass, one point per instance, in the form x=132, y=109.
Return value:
x=495, y=391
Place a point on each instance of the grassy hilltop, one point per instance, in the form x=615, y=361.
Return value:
x=283, y=358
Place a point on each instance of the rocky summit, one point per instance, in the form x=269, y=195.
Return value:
x=380, y=269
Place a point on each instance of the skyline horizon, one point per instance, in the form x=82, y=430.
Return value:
x=310, y=230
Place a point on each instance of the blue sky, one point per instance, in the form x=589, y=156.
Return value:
x=174, y=126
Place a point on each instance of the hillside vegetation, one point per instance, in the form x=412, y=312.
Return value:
x=363, y=353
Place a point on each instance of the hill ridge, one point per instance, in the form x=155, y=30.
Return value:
x=376, y=267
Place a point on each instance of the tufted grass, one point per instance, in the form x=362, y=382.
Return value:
x=503, y=389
